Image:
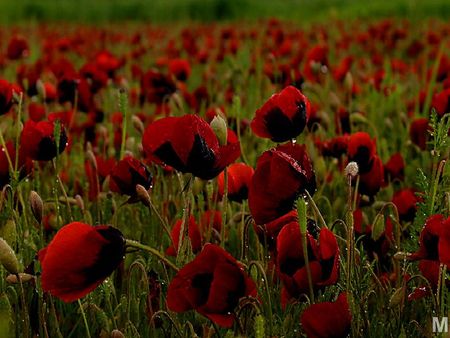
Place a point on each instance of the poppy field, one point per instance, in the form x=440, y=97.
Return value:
x=260, y=179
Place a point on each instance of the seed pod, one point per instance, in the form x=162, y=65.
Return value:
x=8, y=258
x=37, y=206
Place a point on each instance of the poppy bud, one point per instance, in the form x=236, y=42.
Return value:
x=219, y=126
x=24, y=277
x=8, y=258
x=117, y=334
x=37, y=206
x=137, y=124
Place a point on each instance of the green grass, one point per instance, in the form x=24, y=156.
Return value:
x=160, y=11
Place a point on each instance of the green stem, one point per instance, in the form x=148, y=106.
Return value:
x=301, y=208
x=88, y=333
x=154, y=252
x=123, y=105
x=224, y=207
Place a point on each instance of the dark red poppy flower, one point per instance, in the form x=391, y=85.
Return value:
x=435, y=240
x=361, y=149
x=156, y=87
x=194, y=236
x=17, y=48
x=36, y=111
x=372, y=181
x=406, y=202
x=281, y=175
x=38, y=140
x=283, y=117
x=335, y=147
x=419, y=132
x=180, y=68
x=395, y=168
x=24, y=166
x=239, y=179
x=441, y=102
x=79, y=258
x=6, y=96
x=323, y=261
x=268, y=233
x=315, y=59
x=189, y=144
x=212, y=284
x=128, y=173
x=328, y=319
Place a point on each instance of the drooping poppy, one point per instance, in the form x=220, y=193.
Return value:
x=212, y=284
x=38, y=140
x=194, y=236
x=127, y=173
x=323, y=257
x=283, y=117
x=328, y=319
x=189, y=145
x=239, y=178
x=281, y=175
x=79, y=258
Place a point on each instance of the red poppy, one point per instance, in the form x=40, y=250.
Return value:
x=419, y=132
x=180, y=68
x=281, y=175
x=239, y=178
x=395, y=168
x=6, y=96
x=441, y=102
x=24, y=164
x=268, y=233
x=156, y=87
x=211, y=218
x=372, y=181
x=38, y=140
x=17, y=48
x=435, y=240
x=406, y=202
x=194, y=236
x=212, y=284
x=328, y=319
x=36, y=111
x=189, y=144
x=69, y=275
x=128, y=173
x=335, y=147
x=283, y=117
x=323, y=261
x=361, y=149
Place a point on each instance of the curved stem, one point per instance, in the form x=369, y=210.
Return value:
x=154, y=252
x=88, y=333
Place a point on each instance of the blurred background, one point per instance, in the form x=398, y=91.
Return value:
x=160, y=11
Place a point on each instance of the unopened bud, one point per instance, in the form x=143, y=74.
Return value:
x=351, y=169
x=143, y=194
x=79, y=202
x=8, y=258
x=117, y=334
x=219, y=126
x=348, y=81
x=137, y=124
x=37, y=206
x=91, y=158
x=24, y=278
